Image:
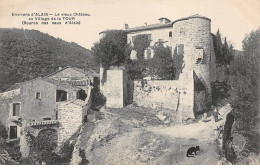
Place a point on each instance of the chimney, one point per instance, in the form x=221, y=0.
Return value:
x=164, y=20
x=126, y=26
x=145, y=23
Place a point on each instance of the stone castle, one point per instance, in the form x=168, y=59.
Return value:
x=58, y=104
x=189, y=37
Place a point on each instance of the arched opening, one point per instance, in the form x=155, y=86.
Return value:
x=61, y=95
x=81, y=94
x=49, y=137
x=43, y=145
x=170, y=34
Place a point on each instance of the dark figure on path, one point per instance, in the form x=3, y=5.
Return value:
x=215, y=114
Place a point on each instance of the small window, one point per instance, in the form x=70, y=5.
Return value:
x=16, y=109
x=170, y=34
x=199, y=60
x=61, y=95
x=13, y=132
x=81, y=94
x=133, y=39
x=182, y=31
x=149, y=37
x=38, y=95
x=149, y=53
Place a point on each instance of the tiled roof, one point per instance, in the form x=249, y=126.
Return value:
x=68, y=82
x=87, y=72
x=42, y=123
x=148, y=27
x=159, y=25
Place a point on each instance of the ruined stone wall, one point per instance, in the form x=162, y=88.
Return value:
x=199, y=101
x=115, y=87
x=6, y=99
x=171, y=94
x=70, y=118
x=202, y=71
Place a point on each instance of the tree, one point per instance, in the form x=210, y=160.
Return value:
x=225, y=53
x=137, y=68
x=110, y=50
x=161, y=64
x=141, y=42
x=219, y=47
x=244, y=74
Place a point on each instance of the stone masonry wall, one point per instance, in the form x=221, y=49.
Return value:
x=199, y=101
x=70, y=117
x=202, y=71
x=115, y=88
x=174, y=95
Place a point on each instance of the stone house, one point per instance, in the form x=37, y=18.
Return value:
x=57, y=102
x=189, y=38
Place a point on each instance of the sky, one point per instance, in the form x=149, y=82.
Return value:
x=234, y=18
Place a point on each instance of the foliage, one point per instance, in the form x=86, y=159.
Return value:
x=27, y=54
x=41, y=147
x=244, y=74
x=3, y=132
x=219, y=91
x=137, y=69
x=141, y=42
x=110, y=50
x=161, y=65
x=223, y=51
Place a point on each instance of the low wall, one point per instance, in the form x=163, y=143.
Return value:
x=70, y=117
x=115, y=88
x=175, y=95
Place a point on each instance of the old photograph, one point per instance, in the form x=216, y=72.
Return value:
x=120, y=82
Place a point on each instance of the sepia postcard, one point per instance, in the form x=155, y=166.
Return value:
x=119, y=82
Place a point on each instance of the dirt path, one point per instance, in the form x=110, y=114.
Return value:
x=161, y=145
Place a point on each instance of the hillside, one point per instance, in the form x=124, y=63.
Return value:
x=139, y=136
x=27, y=54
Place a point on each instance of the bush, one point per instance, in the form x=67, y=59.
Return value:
x=3, y=132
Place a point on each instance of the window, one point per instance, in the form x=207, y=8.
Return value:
x=61, y=95
x=170, y=34
x=182, y=31
x=199, y=60
x=81, y=94
x=13, y=132
x=16, y=109
x=133, y=39
x=149, y=37
x=38, y=95
x=149, y=53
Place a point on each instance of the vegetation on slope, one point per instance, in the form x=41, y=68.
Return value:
x=27, y=54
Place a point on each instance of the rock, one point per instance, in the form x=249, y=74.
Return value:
x=161, y=117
